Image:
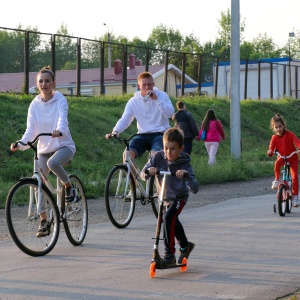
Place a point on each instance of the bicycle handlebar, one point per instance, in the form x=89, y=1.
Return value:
x=162, y=173
x=34, y=140
x=287, y=156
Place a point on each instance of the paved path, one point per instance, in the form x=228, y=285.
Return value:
x=243, y=251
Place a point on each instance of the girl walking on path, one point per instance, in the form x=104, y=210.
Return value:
x=214, y=133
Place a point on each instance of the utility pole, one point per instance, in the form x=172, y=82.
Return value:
x=235, y=110
x=291, y=35
x=108, y=47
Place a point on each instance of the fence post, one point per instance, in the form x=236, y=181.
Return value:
x=26, y=63
x=102, y=86
x=183, y=73
x=258, y=79
x=271, y=80
x=199, y=74
x=216, y=79
x=246, y=80
x=78, y=68
x=166, y=71
x=124, y=74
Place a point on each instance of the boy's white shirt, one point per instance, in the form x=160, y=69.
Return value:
x=44, y=117
x=151, y=116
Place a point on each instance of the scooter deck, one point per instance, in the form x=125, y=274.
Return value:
x=163, y=266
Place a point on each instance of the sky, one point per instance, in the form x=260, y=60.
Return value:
x=133, y=18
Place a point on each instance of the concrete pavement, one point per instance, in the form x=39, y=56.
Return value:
x=243, y=251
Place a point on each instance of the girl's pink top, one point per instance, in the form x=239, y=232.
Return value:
x=215, y=132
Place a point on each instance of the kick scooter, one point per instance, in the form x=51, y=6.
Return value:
x=157, y=261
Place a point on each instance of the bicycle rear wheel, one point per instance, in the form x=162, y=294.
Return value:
x=119, y=199
x=23, y=220
x=153, y=195
x=75, y=215
x=283, y=199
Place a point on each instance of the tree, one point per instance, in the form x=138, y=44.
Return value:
x=222, y=44
x=264, y=47
x=65, y=49
x=163, y=38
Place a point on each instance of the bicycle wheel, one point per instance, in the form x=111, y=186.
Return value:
x=153, y=195
x=119, y=199
x=283, y=198
x=289, y=205
x=23, y=219
x=75, y=215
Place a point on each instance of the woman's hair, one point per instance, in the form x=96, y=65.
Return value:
x=48, y=70
x=277, y=118
x=174, y=135
x=210, y=115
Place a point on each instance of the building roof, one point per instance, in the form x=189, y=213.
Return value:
x=13, y=82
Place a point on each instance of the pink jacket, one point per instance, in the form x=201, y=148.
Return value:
x=215, y=132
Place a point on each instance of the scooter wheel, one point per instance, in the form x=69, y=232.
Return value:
x=152, y=269
x=184, y=261
x=274, y=208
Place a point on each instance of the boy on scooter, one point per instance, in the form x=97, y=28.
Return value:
x=172, y=159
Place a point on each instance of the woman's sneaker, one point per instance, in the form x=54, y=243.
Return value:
x=275, y=184
x=43, y=229
x=71, y=195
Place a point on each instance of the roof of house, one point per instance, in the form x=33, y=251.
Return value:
x=13, y=82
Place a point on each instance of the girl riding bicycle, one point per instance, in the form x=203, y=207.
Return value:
x=285, y=142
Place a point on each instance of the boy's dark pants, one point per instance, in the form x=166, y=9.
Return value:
x=172, y=227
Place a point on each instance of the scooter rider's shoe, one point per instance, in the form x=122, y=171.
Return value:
x=187, y=251
x=169, y=259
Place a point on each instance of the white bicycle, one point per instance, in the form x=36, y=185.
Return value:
x=31, y=196
x=121, y=190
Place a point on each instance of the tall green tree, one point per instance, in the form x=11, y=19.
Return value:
x=65, y=49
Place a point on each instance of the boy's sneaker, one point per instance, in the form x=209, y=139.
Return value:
x=187, y=251
x=296, y=201
x=43, y=229
x=275, y=184
x=169, y=259
x=71, y=195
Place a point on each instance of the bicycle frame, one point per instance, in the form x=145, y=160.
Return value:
x=135, y=171
x=41, y=178
x=286, y=175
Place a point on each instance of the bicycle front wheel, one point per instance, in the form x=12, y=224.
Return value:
x=283, y=198
x=23, y=219
x=120, y=196
x=75, y=215
x=153, y=195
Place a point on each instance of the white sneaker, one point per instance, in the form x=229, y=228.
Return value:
x=296, y=202
x=137, y=193
x=275, y=184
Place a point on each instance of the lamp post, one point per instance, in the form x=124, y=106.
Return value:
x=108, y=47
x=291, y=35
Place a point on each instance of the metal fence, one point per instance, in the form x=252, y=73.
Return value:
x=23, y=52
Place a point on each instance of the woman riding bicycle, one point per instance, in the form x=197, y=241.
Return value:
x=285, y=142
x=48, y=112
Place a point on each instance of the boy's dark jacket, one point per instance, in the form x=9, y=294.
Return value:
x=176, y=187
